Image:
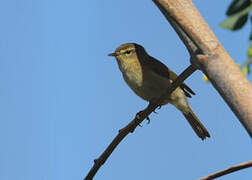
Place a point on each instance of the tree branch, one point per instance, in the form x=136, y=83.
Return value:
x=214, y=61
x=228, y=170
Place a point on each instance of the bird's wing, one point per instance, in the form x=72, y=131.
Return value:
x=164, y=71
x=158, y=67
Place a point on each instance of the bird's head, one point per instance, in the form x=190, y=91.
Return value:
x=128, y=54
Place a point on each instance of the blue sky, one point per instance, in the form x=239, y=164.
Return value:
x=62, y=99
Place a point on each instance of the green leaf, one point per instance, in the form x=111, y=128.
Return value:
x=237, y=20
x=250, y=36
x=245, y=70
x=236, y=6
x=246, y=66
x=249, y=51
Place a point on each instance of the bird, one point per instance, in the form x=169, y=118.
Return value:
x=149, y=79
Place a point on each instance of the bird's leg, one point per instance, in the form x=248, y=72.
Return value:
x=153, y=101
x=140, y=113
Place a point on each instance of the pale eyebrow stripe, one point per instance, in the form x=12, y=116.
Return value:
x=131, y=49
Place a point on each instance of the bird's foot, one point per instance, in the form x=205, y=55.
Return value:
x=153, y=102
x=139, y=115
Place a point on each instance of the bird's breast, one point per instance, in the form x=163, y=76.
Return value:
x=133, y=75
x=144, y=82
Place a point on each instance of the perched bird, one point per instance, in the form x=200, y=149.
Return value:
x=149, y=79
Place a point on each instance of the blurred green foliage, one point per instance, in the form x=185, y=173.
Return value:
x=238, y=14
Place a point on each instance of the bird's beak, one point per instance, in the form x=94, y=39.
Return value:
x=112, y=54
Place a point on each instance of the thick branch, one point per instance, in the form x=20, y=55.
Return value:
x=214, y=61
x=137, y=120
x=228, y=171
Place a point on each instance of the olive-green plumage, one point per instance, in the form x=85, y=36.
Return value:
x=149, y=79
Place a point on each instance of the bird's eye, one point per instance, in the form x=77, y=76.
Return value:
x=128, y=52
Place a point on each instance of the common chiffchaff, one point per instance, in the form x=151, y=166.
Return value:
x=149, y=79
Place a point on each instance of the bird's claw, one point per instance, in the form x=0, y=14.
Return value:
x=148, y=120
x=139, y=114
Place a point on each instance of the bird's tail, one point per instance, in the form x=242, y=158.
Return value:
x=197, y=126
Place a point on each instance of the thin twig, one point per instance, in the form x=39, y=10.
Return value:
x=137, y=120
x=228, y=170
